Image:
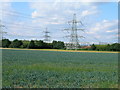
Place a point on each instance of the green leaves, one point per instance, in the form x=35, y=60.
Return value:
x=48, y=69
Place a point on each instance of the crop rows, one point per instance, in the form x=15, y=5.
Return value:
x=45, y=69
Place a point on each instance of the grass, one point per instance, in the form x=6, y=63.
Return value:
x=43, y=69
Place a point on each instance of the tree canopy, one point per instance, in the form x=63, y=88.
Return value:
x=39, y=44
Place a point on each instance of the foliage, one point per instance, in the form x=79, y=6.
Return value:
x=58, y=45
x=16, y=44
x=25, y=44
x=5, y=43
x=32, y=44
x=112, y=47
x=101, y=47
x=39, y=44
x=48, y=46
x=51, y=69
x=115, y=47
x=93, y=47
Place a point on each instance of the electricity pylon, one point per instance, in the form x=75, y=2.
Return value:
x=46, y=36
x=74, y=41
x=1, y=31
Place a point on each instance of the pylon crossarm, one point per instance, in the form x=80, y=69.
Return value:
x=46, y=32
x=66, y=29
x=81, y=29
x=81, y=37
x=2, y=26
x=75, y=22
x=80, y=23
x=46, y=36
x=3, y=32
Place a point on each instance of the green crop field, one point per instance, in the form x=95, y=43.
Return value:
x=52, y=69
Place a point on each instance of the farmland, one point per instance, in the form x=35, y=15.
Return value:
x=52, y=69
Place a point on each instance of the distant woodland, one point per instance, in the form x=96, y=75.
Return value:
x=39, y=44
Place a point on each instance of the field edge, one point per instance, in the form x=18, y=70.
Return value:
x=63, y=50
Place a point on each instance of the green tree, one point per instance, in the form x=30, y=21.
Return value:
x=31, y=44
x=5, y=43
x=54, y=43
x=25, y=43
x=58, y=45
x=108, y=47
x=16, y=44
x=93, y=47
x=39, y=44
x=49, y=45
x=115, y=47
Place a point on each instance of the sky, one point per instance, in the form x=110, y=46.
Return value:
x=29, y=20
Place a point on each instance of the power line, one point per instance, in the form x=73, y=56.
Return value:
x=92, y=37
x=16, y=13
x=22, y=26
x=19, y=35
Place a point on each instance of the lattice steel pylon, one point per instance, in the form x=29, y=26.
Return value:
x=1, y=31
x=46, y=36
x=74, y=41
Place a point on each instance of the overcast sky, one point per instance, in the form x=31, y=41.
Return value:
x=28, y=20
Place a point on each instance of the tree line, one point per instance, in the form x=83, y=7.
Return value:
x=39, y=44
x=33, y=44
x=108, y=47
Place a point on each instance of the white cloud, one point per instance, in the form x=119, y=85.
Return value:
x=60, y=12
x=5, y=6
x=86, y=13
x=104, y=30
x=90, y=11
x=34, y=14
x=113, y=31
